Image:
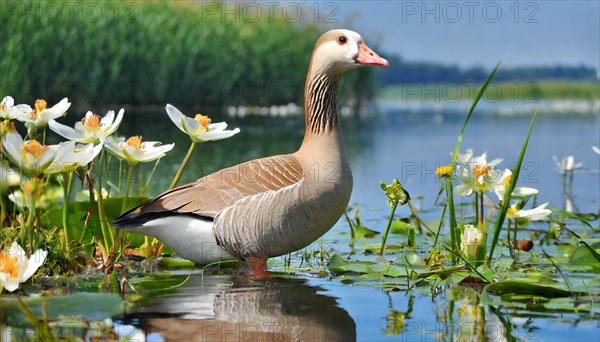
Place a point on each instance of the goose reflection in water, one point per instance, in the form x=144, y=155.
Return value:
x=230, y=308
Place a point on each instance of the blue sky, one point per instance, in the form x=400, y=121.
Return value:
x=477, y=32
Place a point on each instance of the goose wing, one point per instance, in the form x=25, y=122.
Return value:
x=211, y=194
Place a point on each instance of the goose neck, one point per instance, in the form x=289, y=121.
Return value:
x=320, y=104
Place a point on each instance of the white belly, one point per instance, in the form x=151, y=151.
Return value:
x=190, y=237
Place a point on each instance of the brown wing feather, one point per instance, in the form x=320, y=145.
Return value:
x=215, y=192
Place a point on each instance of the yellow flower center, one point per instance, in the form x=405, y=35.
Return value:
x=30, y=186
x=481, y=170
x=443, y=171
x=134, y=141
x=2, y=107
x=40, y=105
x=34, y=148
x=511, y=212
x=9, y=264
x=92, y=122
x=204, y=120
x=506, y=180
x=7, y=127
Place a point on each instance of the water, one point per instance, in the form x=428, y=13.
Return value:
x=390, y=144
x=407, y=145
x=227, y=307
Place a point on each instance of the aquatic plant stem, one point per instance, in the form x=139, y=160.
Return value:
x=29, y=224
x=420, y=223
x=387, y=229
x=127, y=187
x=437, y=235
x=145, y=188
x=2, y=210
x=183, y=165
x=508, y=239
x=452, y=219
x=67, y=182
x=481, y=216
x=107, y=234
x=350, y=224
x=513, y=243
x=118, y=241
x=476, y=206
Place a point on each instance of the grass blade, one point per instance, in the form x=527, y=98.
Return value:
x=509, y=190
x=473, y=105
x=449, y=193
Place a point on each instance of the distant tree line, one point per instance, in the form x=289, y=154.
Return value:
x=401, y=71
x=105, y=53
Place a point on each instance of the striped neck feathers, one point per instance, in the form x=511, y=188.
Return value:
x=320, y=103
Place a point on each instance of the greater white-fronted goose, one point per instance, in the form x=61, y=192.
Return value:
x=270, y=206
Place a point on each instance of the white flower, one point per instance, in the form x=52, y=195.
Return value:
x=567, y=164
x=15, y=268
x=41, y=115
x=519, y=192
x=70, y=155
x=481, y=176
x=8, y=177
x=469, y=241
x=199, y=128
x=134, y=151
x=29, y=156
x=596, y=149
x=8, y=110
x=464, y=157
x=91, y=129
x=536, y=214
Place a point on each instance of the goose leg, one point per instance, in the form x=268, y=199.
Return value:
x=258, y=267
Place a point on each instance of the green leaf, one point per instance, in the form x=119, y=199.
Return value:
x=158, y=283
x=583, y=256
x=337, y=265
x=523, y=287
x=90, y=306
x=511, y=186
x=362, y=232
x=475, y=101
x=399, y=226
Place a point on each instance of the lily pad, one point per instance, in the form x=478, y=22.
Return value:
x=363, y=232
x=337, y=265
x=89, y=306
x=522, y=287
x=585, y=257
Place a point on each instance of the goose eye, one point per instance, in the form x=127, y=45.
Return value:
x=342, y=40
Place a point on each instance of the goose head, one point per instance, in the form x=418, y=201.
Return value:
x=340, y=50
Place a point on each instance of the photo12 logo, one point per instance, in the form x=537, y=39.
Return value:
x=71, y=11
x=470, y=11
x=255, y=11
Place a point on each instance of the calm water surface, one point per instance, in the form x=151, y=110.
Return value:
x=400, y=144
x=389, y=144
